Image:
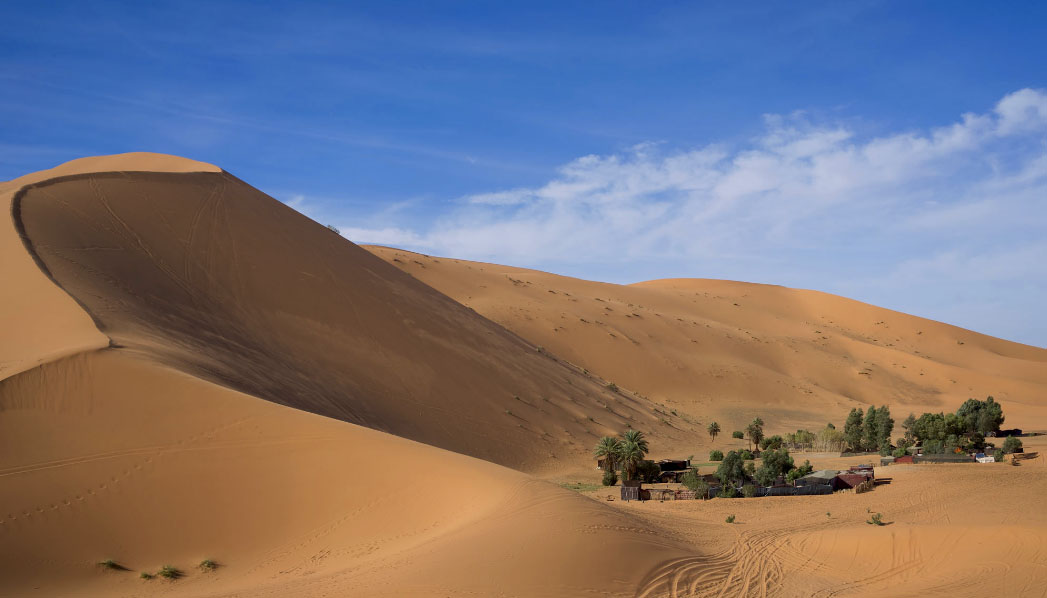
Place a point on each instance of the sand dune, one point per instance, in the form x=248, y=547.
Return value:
x=136, y=462
x=212, y=277
x=190, y=370
x=730, y=350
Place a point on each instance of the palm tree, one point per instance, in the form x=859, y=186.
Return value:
x=608, y=447
x=714, y=430
x=631, y=454
x=637, y=437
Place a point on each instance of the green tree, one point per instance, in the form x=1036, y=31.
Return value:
x=884, y=427
x=755, y=432
x=608, y=448
x=907, y=425
x=871, y=430
x=853, y=429
x=773, y=442
x=610, y=477
x=631, y=455
x=981, y=416
x=716, y=455
x=714, y=430
x=737, y=434
x=775, y=463
x=1011, y=444
x=636, y=436
x=731, y=470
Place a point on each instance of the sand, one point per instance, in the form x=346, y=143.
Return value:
x=729, y=351
x=191, y=370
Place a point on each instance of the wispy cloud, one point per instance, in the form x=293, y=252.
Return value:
x=804, y=203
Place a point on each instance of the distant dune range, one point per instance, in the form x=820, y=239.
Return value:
x=191, y=370
x=731, y=350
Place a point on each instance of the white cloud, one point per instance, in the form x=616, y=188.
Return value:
x=797, y=205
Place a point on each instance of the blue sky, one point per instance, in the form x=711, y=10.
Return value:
x=894, y=152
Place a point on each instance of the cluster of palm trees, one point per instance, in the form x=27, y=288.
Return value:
x=626, y=452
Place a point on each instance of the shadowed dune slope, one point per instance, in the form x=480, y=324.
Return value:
x=731, y=350
x=108, y=455
x=207, y=275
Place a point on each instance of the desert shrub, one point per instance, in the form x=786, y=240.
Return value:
x=730, y=519
x=145, y=575
x=208, y=565
x=610, y=477
x=998, y=455
x=333, y=229
x=900, y=452
x=748, y=491
x=737, y=434
x=169, y=572
x=1010, y=444
x=885, y=451
x=876, y=519
x=716, y=455
x=692, y=481
x=747, y=455
x=110, y=564
x=728, y=491
x=611, y=386
x=648, y=471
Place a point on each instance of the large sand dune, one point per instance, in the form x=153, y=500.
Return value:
x=190, y=370
x=731, y=350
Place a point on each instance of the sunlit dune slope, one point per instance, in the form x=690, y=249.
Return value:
x=730, y=350
x=207, y=275
x=108, y=455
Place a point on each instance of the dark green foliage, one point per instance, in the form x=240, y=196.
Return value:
x=632, y=452
x=748, y=491
x=610, y=477
x=716, y=455
x=145, y=575
x=730, y=519
x=998, y=454
x=611, y=386
x=799, y=472
x=976, y=442
x=747, y=455
x=1010, y=444
x=610, y=449
x=853, y=430
x=952, y=442
x=775, y=463
x=731, y=470
x=907, y=425
x=714, y=430
x=750, y=469
x=980, y=416
x=755, y=432
x=208, y=565
x=871, y=429
x=737, y=434
x=900, y=452
x=933, y=447
x=772, y=442
x=112, y=565
x=648, y=471
x=876, y=519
